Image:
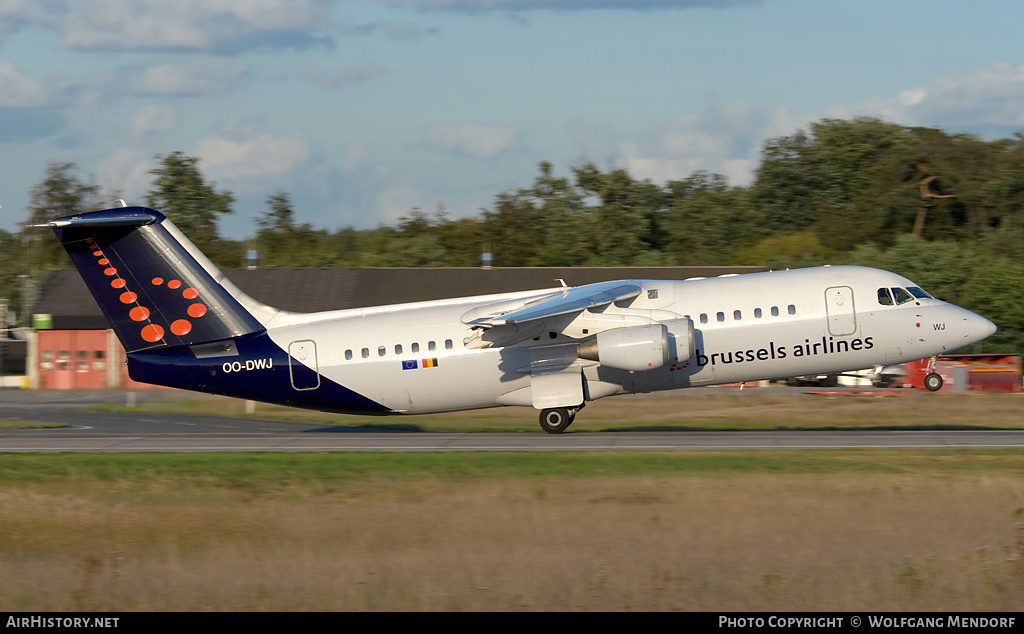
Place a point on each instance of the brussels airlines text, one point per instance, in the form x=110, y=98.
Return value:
x=772, y=351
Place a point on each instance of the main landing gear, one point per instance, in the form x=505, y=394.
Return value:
x=932, y=380
x=557, y=419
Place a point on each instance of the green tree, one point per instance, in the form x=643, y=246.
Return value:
x=622, y=220
x=283, y=243
x=707, y=221
x=843, y=180
x=279, y=217
x=787, y=251
x=62, y=192
x=961, y=273
x=415, y=243
x=11, y=267
x=182, y=194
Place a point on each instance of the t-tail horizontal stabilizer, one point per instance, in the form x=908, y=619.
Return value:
x=142, y=272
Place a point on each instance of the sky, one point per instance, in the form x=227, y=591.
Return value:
x=361, y=110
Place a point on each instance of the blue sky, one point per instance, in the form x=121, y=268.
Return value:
x=363, y=109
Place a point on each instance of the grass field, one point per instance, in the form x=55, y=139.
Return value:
x=843, y=530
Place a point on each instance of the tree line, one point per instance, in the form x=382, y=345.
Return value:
x=944, y=209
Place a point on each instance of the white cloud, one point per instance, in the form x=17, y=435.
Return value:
x=724, y=141
x=256, y=156
x=394, y=203
x=358, y=154
x=565, y=5
x=125, y=173
x=474, y=139
x=152, y=119
x=18, y=90
x=316, y=75
x=191, y=77
x=194, y=25
x=988, y=96
x=728, y=140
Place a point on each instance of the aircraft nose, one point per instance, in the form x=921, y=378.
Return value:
x=977, y=327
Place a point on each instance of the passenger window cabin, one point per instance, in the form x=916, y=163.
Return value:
x=414, y=348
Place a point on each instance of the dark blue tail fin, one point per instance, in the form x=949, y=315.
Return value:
x=152, y=284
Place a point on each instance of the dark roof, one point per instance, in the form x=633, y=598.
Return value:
x=66, y=297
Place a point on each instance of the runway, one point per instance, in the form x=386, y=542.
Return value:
x=95, y=432
x=54, y=441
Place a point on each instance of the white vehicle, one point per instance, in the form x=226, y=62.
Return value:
x=184, y=324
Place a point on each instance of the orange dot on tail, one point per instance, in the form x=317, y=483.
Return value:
x=110, y=271
x=128, y=297
x=174, y=284
x=103, y=261
x=152, y=333
x=118, y=283
x=139, y=313
x=98, y=254
x=157, y=281
x=190, y=293
x=196, y=310
x=181, y=327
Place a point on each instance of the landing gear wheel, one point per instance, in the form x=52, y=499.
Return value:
x=555, y=420
x=933, y=382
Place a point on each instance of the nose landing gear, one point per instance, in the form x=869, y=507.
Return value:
x=932, y=380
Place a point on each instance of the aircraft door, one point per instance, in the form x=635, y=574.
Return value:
x=302, y=365
x=842, y=319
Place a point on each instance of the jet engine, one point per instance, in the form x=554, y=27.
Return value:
x=637, y=348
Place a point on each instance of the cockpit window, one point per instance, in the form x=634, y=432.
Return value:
x=901, y=295
x=897, y=295
x=919, y=292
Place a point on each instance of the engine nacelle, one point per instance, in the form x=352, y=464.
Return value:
x=630, y=348
x=638, y=348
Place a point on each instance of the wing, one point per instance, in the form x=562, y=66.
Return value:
x=506, y=323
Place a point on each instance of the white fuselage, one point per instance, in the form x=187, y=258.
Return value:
x=414, y=358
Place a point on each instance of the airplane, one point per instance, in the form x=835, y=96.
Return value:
x=183, y=324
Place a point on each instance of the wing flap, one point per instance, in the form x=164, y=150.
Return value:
x=571, y=300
